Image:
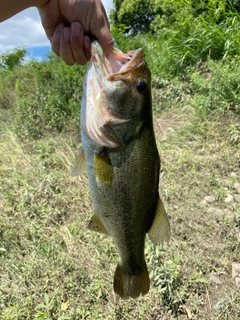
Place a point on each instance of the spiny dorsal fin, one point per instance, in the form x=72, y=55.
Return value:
x=160, y=229
x=79, y=165
x=95, y=224
x=103, y=168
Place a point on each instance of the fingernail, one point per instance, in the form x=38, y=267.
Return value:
x=61, y=26
x=75, y=29
x=66, y=33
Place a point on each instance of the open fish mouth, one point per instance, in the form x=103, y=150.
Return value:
x=113, y=95
x=117, y=64
x=122, y=161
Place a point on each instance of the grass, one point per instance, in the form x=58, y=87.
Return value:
x=52, y=267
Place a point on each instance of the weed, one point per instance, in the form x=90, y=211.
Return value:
x=51, y=266
x=234, y=133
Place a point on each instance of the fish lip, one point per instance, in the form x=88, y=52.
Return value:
x=134, y=62
x=99, y=60
x=117, y=63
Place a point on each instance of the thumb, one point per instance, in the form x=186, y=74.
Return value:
x=105, y=39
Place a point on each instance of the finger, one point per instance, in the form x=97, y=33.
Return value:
x=65, y=47
x=50, y=18
x=105, y=39
x=100, y=28
x=102, y=33
x=77, y=43
x=55, y=40
x=87, y=47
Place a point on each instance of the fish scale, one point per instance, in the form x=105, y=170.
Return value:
x=122, y=161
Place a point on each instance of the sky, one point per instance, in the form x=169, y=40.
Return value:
x=25, y=30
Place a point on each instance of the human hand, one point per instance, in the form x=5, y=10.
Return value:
x=70, y=23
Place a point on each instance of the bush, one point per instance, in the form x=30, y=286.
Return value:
x=8, y=62
x=186, y=33
x=11, y=59
x=7, y=84
x=48, y=97
x=217, y=89
x=206, y=39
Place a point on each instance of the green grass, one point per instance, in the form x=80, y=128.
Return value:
x=52, y=267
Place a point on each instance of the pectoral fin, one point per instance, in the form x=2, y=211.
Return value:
x=95, y=224
x=160, y=229
x=103, y=168
x=79, y=165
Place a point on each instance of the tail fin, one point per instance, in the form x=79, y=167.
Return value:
x=128, y=285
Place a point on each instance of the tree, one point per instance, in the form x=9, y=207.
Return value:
x=135, y=16
x=9, y=60
x=143, y=16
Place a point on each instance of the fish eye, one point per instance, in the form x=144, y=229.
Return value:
x=141, y=85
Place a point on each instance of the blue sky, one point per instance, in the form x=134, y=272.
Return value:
x=38, y=52
x=25, y=30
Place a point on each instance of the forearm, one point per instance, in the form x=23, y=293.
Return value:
x=9, y=8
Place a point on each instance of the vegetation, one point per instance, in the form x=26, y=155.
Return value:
x=11, y=59
x=181, y=33
x=51, y=266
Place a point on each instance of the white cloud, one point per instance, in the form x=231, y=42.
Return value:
x=108, y=4
x=25, y=30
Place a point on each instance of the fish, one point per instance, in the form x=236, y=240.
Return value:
x=120, y=155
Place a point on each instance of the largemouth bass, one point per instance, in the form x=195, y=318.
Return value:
x=121, y=158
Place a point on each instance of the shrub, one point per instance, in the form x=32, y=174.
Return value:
x=218, y=89
x=13, y=58
x=48, y=97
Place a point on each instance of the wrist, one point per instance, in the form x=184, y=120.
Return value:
x=11, y=7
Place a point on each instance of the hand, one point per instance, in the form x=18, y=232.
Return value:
x=70, y=23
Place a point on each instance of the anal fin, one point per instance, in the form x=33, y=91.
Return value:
x=79, y=165
x=160, y=229
x=95, y=224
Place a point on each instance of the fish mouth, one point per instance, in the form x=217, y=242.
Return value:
x=117, y=65
x=106, y=83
